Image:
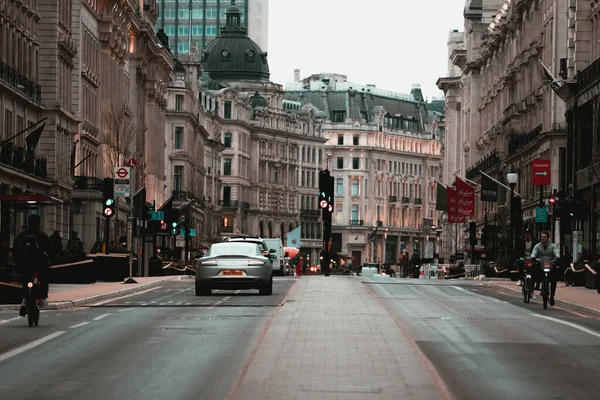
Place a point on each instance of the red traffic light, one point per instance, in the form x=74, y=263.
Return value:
x=551, y=200
x=330, y=208
x=108, y=212
x=323, y=204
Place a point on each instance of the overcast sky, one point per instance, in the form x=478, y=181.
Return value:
x=390, y=43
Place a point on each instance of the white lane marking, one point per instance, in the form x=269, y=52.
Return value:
x=169, y=302
x=459, y=288
x=188, y=304
x=571, y=324
x=78, y=325
x=101, y=316
x=126, y=296
x=3, y=321
x=153, y=301
x=144, y=304
x=126, y=309
x=30, y=346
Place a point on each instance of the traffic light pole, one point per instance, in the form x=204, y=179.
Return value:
x=106, y=234
x=130, y=233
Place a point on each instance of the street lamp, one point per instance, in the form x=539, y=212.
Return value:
x=512, y=178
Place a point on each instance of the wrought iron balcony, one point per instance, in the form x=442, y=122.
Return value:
x=245, y=205
x=589, y=76
x=392, y=199
x=180, y=195
x=20, y=158
x=13, y=78
x=485, y=164
x=520, y=140
x=418, y=201
x=405, y=200
x=357, y=222
x=88, y=183
x=229, y=203
x=307, y=212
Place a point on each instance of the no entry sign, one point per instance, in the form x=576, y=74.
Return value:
x=540, y=172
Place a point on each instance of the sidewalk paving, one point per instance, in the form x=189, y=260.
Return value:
x=330, y=340
x=63, y=296
x=576, y=297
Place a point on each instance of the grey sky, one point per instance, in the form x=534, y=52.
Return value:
x=390, y=43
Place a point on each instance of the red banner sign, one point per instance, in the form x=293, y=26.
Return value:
x=466, y=199
x=540, y=172
x=453, y=215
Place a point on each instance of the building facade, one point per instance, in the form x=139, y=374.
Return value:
x=272, y=151
x=502, y=113
x=191, y=25
x=384, y=153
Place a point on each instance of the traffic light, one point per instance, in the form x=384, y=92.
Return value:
x=324, y=195
x=174, y=227
x=108, y=197
x=473, y=234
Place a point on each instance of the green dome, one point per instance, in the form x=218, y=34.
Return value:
x=233, y=55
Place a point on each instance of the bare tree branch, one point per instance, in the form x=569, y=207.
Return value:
x=194, y=185
x=118, y=136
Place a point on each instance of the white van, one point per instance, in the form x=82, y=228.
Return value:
x=279, y=262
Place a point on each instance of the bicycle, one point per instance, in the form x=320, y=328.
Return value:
x=527, y=282
x=33, y=301
x=546, y=268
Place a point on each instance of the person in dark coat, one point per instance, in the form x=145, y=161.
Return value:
x=57, y=243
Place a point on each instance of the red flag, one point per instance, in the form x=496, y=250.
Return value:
x=453, y=215
x=466, y=198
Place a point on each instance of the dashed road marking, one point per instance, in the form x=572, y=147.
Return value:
x=78, y=325
x=30, y=346
x=126, y=309
x=3, y=321
x=101, y=316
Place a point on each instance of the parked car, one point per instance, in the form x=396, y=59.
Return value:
x=234, y=265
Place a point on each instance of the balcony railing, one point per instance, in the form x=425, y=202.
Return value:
x=392, y=199
x=180, y=195
x=405, y=200
x=588, y=76
x=418, y=200
x=229, y=203
x=88, y=183
x=245, y=205
x=13, y=78
x=307, y=212
x=20, y=158
x=520, y=140
x=485, y=164
x=227, y=229
x=357, y=222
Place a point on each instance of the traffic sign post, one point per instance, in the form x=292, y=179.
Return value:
x=122, y=181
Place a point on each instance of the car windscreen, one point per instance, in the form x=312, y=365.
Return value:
x=237, y=249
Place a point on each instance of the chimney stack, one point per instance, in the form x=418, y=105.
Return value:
x=296, y=75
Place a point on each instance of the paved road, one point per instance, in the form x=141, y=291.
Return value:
x=490, y=345
x=165, y=343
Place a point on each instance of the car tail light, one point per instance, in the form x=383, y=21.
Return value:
x=259, y=263
x=208, y=263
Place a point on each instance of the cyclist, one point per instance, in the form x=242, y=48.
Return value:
x=33, y=253
x=527, y=246
x=547, y=251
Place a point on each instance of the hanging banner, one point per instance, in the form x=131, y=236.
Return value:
x=466, y=198
x=453, y=216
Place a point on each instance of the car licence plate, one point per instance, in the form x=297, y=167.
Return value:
x=236, y=272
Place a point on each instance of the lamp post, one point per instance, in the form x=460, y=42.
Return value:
x=512, y=178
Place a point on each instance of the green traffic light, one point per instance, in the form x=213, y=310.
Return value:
x=109, y=202
x=174, y=224
x=174, y=231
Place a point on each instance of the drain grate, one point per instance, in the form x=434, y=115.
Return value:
x=467, y=318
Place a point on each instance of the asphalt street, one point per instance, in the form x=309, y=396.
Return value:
x=165, y=343
x=485, y=344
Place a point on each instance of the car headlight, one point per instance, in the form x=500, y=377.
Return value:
x=256, y=263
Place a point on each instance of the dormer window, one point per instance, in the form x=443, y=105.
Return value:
x=250, y=56
x=225, y=55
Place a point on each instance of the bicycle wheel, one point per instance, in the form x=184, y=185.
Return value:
x=526, y=290
x=545, y=293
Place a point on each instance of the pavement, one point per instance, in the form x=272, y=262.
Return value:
x=61, y=296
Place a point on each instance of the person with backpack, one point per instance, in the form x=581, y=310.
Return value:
x=32, y=252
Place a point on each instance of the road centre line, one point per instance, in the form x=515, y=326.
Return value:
x=101, y=316
x=78, y=325
x=571, y=324
x=3, y=321
x=30, y=346
x=125, y=309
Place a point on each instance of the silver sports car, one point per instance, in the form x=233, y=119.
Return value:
x=234, y=265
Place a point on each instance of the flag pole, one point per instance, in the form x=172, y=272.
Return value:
x=500, y=183
x=477, y=185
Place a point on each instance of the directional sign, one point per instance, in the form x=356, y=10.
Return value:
x=158, y=215
x=541, y=215
x=540, y=172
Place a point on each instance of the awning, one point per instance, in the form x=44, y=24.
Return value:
x=31, y=199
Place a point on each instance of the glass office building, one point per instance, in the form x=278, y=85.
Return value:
x=194, y=22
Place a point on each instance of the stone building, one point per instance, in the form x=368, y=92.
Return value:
x=273, y=150
x=502, y=112
x=384, y=153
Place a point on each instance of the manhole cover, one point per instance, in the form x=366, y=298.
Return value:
x=469, y=318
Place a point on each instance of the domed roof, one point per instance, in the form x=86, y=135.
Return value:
x=233, y=55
